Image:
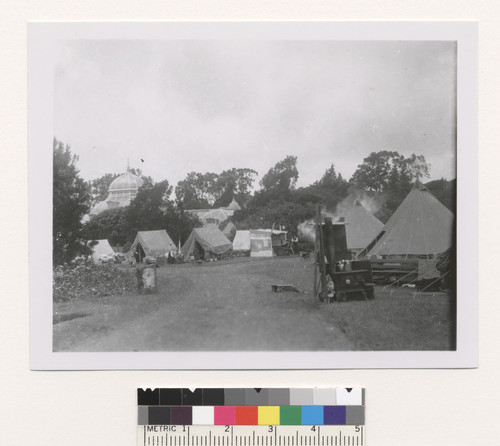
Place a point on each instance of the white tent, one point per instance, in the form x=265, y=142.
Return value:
x=241, y=241
x=102, y=251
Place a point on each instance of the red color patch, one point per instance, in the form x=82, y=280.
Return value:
x=247, y=415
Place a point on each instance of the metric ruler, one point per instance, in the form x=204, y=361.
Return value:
x=251, y=417
x=250, y=435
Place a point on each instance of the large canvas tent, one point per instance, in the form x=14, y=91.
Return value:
x=102, y=251
x=206, y=241
x=421, y=227
x=361, y=227
x=152, y=243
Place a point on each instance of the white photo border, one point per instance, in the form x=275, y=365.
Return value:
x=41, y=46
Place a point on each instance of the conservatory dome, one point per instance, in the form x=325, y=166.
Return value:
x=125, y=186
x=121, y=192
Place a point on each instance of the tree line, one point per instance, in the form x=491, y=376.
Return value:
x=384, y=175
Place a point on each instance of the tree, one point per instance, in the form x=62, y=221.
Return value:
x=282, y=177
x=70, y=203
x=153, y=209
x=206, y=190
x=417, y=167
x=386, y=171
x=379, y=170
x=192, y=193
x=110, y=224
x=148, y=209
x=233, y=183
x=330, y=189
x=389, y=175
x=99, y=187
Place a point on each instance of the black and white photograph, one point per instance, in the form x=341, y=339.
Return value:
x=253, y=193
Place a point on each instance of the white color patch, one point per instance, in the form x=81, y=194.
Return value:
x=203, y=415
x=352, y=398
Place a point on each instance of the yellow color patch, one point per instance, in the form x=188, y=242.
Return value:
x=269, y=415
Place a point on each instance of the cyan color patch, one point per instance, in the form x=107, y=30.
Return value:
x=312, y=415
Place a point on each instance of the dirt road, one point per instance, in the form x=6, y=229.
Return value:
x=223, y=306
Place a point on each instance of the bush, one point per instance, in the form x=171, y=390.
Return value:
x=90, y=280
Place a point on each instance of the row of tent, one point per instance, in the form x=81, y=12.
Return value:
x=421, y=226
x=205, y=242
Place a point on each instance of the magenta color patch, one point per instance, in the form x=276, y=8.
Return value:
x=224, y=415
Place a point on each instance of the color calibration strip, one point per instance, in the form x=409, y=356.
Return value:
x=251, y=407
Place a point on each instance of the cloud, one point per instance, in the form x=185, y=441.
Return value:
x=210, y=105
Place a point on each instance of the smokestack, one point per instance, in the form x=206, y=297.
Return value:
x=329, y=239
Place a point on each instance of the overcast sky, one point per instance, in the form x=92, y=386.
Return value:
x=178, y=106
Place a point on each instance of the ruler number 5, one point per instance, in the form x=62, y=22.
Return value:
x=357, y=428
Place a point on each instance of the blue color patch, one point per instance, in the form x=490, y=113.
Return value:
x=312, y=415
x=335, y=415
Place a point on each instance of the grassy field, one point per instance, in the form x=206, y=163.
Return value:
x=230, y=306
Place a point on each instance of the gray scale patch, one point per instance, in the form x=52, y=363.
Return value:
x=355, y=415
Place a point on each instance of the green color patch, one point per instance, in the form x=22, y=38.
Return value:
x=290, y=415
